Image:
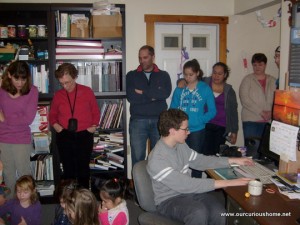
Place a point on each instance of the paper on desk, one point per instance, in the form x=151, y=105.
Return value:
x=290, y=193
x=283, y=140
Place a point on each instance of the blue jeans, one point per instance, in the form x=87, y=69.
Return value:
x=140, y=130
x=253, y=130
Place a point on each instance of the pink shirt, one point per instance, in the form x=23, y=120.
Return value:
x=19, y=113
x=116, y=216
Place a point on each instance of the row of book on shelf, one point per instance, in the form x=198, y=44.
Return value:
x=100, y=76
x=84, y=49
x=40, y=77
x=41, y=159
x=111, y=114
x=42, y=166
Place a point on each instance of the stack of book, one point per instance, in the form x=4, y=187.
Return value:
x=112, y=137
x=79, y=49
x=45, y=187
x=105, y=146
x=106, y=161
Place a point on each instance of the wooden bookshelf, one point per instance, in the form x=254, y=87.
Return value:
x=36, y=14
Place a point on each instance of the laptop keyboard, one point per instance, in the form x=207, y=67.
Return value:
x=257, y=171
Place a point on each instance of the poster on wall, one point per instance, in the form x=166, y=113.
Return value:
x=286, y=107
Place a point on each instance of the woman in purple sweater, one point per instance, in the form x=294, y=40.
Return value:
x=18, y=105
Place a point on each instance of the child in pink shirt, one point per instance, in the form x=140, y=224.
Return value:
x=113, y=209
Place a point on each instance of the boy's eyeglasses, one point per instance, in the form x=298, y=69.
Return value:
x=185, y=129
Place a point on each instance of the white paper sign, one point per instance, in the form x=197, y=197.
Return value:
x=283, y=140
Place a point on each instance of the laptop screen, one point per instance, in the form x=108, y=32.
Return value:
x=264, y=147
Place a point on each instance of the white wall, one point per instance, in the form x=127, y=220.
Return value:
x=246, y=34
x=243, y=6
x=244, y=31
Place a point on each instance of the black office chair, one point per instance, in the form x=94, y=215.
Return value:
x=145, y=197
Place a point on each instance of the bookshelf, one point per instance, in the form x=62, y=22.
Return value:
x=110, y=60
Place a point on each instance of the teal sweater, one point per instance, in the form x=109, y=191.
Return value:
x=199, y=104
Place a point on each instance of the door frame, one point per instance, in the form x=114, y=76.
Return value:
x=222, y=21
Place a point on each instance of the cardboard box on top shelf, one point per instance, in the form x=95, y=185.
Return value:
x=107, y=26
x=80, y=29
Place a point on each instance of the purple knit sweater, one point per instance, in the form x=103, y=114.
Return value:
x=19, y=113
x=32, y=214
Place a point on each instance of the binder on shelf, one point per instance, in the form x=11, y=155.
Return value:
x=79, y=43
x=79, y=49
x=78, y=56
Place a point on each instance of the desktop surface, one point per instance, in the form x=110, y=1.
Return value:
x=265, y=203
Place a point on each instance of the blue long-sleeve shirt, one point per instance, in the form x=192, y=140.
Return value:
x=155, y=92
x=199, y=104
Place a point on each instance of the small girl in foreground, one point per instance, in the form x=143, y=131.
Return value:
x=25, y=209
x=64, y=193
x=82, y=208
x=113, y=209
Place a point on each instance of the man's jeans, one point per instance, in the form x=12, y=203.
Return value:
x=140, y=130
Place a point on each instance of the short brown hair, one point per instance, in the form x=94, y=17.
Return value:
x=149, y=48
x=66, y=69
x=171, y=118
x=259, y=57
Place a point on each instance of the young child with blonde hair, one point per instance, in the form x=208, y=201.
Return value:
x=25, y=208
x=82, y=208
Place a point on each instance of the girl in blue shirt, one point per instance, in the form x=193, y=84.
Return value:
x=197, y=100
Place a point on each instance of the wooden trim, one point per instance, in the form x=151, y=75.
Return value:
x=222, y=21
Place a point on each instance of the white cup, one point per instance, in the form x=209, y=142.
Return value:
x=255, y=187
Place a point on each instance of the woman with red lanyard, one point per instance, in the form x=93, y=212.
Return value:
x=74, y=115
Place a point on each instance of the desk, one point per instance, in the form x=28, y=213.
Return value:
x=266, y=203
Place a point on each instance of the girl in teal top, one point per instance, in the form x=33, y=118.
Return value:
x=197, y=100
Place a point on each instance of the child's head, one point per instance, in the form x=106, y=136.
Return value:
x=17, y=78
x=82, y=208
x=112, y=192
x=192, y=71
x=25, y=189
x=172, y=118
x=65, y=190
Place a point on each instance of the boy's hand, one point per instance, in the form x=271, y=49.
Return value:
x=243, y=161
